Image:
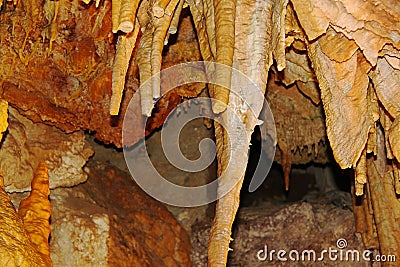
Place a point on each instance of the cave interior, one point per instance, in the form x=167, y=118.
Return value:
x=303, y=90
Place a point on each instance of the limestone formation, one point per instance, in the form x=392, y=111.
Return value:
x=25, y=234
x=60, y=64
x=28, y=143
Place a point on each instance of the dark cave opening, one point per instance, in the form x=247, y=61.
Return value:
x=307, y=181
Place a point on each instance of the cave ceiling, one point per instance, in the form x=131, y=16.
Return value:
x=329, y=68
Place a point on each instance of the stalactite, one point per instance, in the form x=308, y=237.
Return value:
x=173, y=28
x=125, y=46
x=127, y=15
x=149, y=52
x=373, y=107
x=341, y=121
x=364, y=218
x=160, y=8
x=386, y=80
x=51, y=13
x=205, y=33
x=348, y=51
x=286, y=161
x=396, y=176
x=143, y=15
x=385, y=204
x=299, y=121
x=143, y=60
x=361, y=174
x=225, y=41
x=252, y=57
x=160, y=32
x=218, y=245
x=115, y=11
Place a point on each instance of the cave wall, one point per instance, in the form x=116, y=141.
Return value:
x=56, y=66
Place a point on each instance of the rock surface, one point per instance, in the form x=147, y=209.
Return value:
x=299, y=226
x=109, y=221
x=79, y=230
x=27, y=143
x=57, y=68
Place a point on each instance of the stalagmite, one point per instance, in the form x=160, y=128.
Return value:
x=3, y=117
x=35, y=212
x=24, y=236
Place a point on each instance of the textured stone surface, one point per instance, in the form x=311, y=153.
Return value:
x=79, y=231
x=27, y=143
x=298, y=226
x=72, y=87
x=190, y=138
x=109, y=221
x=299, y=122
x=142, y=231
